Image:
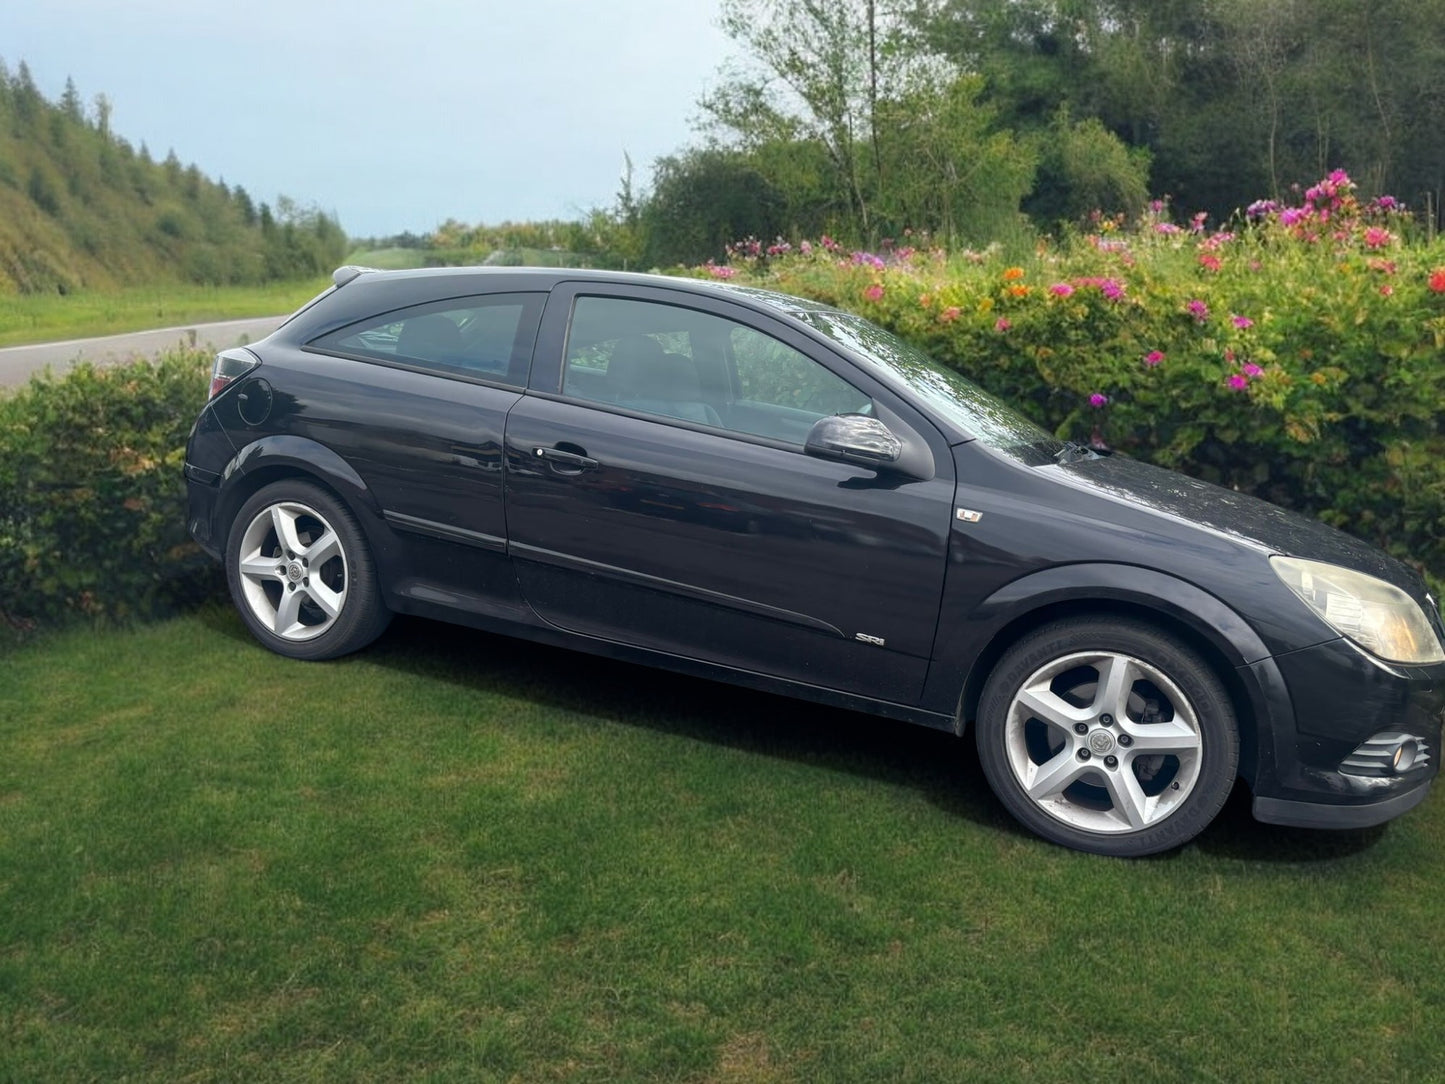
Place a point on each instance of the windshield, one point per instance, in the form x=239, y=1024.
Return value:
x=962, y=401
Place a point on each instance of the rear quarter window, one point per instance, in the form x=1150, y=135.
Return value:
x=485, y=338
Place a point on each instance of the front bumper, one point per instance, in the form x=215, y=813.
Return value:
x=1324, y=703
x=1297, y=814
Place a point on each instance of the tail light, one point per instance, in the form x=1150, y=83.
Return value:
x=230, y=366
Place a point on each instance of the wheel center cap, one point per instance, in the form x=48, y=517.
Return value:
x=1101, y=742
x=294, y=572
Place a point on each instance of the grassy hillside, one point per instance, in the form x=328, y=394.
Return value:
x=80, y=208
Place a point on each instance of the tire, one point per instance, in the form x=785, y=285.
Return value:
x=301, y=574
x=1071, y=697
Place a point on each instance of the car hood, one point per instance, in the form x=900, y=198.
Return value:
x=1238, y=516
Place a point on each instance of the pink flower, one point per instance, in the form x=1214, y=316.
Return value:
x=949, y=314
x=718, y=272
x=806, y=248
x=1238, y=381
x=1241, y=322
x=1375, y=237
x=1153, y=358
x=1252, y=370
x=1061, y=289
x=1210, y=262
x=1098, y=400
x=1001, y=324
x=1198, y=309
x=1386, y=290
x=874, y=292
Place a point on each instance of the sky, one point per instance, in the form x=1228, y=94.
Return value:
x=394, y=114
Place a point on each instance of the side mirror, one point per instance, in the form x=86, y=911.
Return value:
x=854, y=438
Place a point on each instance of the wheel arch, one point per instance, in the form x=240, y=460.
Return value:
x=1222, y=638
x=277, y=458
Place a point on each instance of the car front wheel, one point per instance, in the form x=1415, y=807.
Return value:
x=1108, y=736
x=301, y=575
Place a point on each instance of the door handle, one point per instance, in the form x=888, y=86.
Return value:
x=564, y=462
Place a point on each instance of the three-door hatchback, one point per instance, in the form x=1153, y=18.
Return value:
x=758, y=489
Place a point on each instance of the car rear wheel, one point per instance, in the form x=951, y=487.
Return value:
x=1108, y=736
x=301, y=575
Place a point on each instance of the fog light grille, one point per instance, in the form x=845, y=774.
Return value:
x=1392, y=753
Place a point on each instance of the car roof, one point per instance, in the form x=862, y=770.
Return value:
x=545, y=278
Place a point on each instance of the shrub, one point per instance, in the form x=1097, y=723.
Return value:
x=1295, y=355
x=92, y=498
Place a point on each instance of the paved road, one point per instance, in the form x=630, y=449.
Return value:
x=18, y=362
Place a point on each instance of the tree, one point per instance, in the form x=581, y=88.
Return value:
x=818, y=66
x=70, y=103
x=951, y=170
x=704, y=199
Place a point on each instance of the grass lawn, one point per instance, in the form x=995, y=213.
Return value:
x=459, y=857
x=35, y=318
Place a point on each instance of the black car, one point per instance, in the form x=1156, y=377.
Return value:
x=754, y=488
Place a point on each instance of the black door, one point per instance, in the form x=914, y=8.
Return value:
x=416, y=402
x=658, y=495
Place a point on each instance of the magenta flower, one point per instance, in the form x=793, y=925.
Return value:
x=1238, y=381
x=1153, y=358
x=1001, y=324
x=1252, y=370
x=874, y=292
x=1241, y=322
x=1061, y=289
x=1098, y=400
x=1198, y=309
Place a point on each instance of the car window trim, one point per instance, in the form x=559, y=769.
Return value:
x=667, y=419
x=422, y=370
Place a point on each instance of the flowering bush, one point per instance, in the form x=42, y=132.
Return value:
x=1295, y=354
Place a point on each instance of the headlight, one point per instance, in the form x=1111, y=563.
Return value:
x=1374, y=614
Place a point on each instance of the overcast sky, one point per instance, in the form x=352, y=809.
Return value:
x=395, y=114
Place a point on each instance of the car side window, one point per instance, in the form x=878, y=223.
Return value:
x=489, y=338
x=681, y=363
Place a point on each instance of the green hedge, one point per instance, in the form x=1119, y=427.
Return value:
x=1299, y=356
x=92, y=498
